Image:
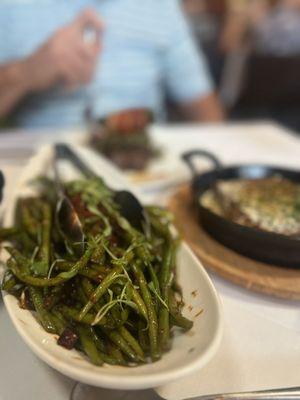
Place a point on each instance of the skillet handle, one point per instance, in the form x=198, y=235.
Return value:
x=188, y=157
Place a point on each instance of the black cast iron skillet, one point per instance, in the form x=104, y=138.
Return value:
x=260, y=245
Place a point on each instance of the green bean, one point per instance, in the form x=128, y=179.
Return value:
x=44, y=251
x=114, y=356
x=81, y=295
x=99, y=270
x=154, y=278
x=51, y=299
x=88, y=319
x=8, y=233
x=116, y=353
x=143, y=254
x=29, y=223
x=117, y=316
x=101, y=289
x=159, y=212
x=77, y=267
x=27, y=244
x=88, y=344
x=163, y=318
x=87, y=287
x=88, y=290
x=180, y=321
x=120, y=342
x=111, y=359
x=59, y=325
x=60, y=278
x=126, y=258
x=59, y=316
x=152, y=317
x=135, y=296
x=155, y=282
x=43, y=315
x=98, y=342
x=164, y=328
x=133, y=343
x=98, y=256
x=161, y=229
x=23, y=262
x=142, y=335
x=124, y=315
x=176, y=318
x=91, y=274
x=9, y=281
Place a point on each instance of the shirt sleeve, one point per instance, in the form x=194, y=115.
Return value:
x=185, y=70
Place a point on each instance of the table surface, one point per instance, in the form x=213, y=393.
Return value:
x=261, y=344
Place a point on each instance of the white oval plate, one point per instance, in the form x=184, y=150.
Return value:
x=190, y=351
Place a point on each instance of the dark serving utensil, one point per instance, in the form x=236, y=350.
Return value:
x=130, y=207
x=272, y=248
x=132, y=210
x=66, y=217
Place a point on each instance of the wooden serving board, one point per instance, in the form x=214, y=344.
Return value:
x=257, y=276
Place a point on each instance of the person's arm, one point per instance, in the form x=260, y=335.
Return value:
x=13, y=86
x=242, y=17
x=205, y=108
x=186, y=73
x=66, y=58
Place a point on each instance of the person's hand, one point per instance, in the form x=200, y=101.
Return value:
x=67, y=58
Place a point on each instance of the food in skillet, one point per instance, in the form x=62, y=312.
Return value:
x=123, y=138
x=271, y=204
x=117, y=299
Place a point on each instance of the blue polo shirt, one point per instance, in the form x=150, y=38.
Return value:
x=147, y=51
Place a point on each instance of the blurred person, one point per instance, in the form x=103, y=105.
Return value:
x=262, y=78
x=58, y=59
x=278, y=33
x=265, y=26
x=206, y=18
x=235, y=43
x=242, y=16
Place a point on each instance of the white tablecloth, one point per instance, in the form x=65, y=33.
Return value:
x=261, y=344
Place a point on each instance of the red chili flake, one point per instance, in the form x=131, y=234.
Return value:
x=198, y=313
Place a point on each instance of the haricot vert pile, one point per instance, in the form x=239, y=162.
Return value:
x=117, y=301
